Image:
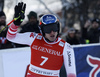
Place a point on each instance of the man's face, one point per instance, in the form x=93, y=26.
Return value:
x=2, y=20
x=71, y=34
x=51, y=36
x=32, y=19
x=95, y=25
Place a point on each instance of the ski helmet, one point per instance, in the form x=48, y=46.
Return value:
x=49, y=23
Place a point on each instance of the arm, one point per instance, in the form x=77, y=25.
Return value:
x=20, y=38
x=12, y=34
x=69, y=60
x=85, y=29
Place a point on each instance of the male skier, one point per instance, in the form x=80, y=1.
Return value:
x=48, y=51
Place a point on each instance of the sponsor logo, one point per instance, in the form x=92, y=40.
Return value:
x=47, y=50
x=95, y=63
x=48, y=45
x=49, y=19
x=69, y=58
x=69, y=46
x=43, y=71
x=39, y=37
x=61, y=44
x=40, y=72
x=32, y=35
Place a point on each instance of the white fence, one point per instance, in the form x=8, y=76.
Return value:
x=13, y=62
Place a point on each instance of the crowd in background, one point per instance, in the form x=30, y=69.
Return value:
x=89, y=33
x=4, y=43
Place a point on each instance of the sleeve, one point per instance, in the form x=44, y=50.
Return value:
x=69, y=60
x=20, y=38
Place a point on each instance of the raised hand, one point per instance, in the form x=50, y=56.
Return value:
x=19, y=13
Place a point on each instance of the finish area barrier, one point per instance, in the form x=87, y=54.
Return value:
x=14, y=61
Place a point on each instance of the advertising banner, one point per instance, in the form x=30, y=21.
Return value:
x=87, y=58
x=88, y=61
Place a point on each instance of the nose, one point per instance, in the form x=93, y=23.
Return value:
x=52, y=32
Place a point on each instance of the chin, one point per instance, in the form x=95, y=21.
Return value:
x=52, y=40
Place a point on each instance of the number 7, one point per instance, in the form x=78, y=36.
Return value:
x=45, y=59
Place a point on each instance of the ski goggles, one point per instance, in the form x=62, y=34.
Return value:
x=49, y=23
x=50, y=27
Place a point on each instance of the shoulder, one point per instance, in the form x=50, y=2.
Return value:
x=30, y=34
x=66, y=43
x=68, y=46
x=60, y=39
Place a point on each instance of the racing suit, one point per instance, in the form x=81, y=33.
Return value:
x=46, y=57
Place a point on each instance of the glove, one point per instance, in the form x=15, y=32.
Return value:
x=19, y=13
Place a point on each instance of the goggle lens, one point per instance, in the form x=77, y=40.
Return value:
x=49, y=28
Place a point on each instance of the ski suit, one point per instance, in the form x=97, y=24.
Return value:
x=46, y=57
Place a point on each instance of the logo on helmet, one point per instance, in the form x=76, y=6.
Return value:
x=48, y=19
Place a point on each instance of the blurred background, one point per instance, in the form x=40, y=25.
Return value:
x=70, y=12
x=78, y=14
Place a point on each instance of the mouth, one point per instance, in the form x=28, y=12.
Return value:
x=52, y=36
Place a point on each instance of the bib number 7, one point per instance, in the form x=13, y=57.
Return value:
x=44, y=61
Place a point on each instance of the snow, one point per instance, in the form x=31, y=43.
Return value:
x=31, y=5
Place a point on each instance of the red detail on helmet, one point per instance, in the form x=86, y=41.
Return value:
x=40, y=23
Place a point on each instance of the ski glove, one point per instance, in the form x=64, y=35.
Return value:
x=19, y=13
